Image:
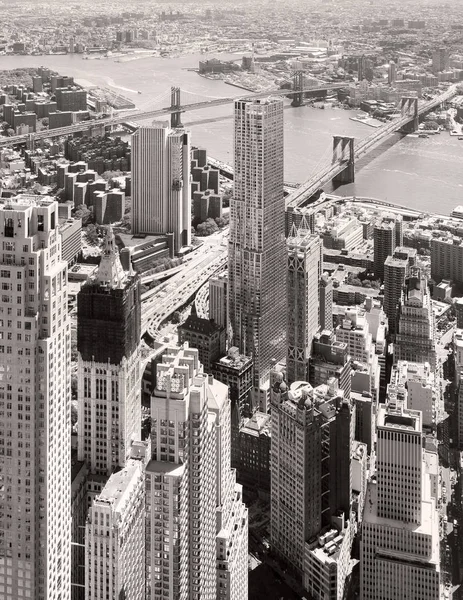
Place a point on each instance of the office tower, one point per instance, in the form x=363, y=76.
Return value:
x=383, y=244
x=392, y=73
x=218, y=299
x=326, y=303
x=161, y=194
x=440, y=60
x=35, y=404
x=108, y=345
x=196, y=520
x=235, y=371
x=395, y=270
x=312, y=436
x=354, y=330
x=330, y=358
x=302, y=281
x=115, y=532
x=257, y=250
x=415, y=338
x=206, y=336
x=399, y=548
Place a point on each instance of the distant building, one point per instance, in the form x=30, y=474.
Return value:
x=387, y=234
x=206, y=336
x=218, y=299
x=161, y=195
x=440, y=60
x=326, y=303
x=446, y=259
x=330, y=359
x=235, y=371
x=253, y=468
x=71, y=99
x=395, y=271
x=303, y=314
x=415, y=338
x=214, y=65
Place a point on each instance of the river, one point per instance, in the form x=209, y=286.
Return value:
x=423, y=174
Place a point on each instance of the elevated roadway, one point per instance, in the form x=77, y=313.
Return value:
x=302, y=195
x=159, y=303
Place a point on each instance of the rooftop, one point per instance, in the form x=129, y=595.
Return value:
x=118, y=488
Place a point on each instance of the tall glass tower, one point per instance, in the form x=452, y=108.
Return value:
x=257, y=247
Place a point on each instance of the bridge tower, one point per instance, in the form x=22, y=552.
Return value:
x=298, y=86
x=175, y=103
x=409, y=107
x=343, y=152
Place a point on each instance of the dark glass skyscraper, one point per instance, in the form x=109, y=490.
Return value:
x=257, y=248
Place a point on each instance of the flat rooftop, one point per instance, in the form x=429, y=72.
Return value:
x=429, y=517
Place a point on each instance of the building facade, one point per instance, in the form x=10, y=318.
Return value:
x=115, y=531
x=196, y=538
x=399, y=549
x=35, y=404
x=312, y=436
x=415, y=338
x=109, y=378
x=303, y=312
x=161, y=193
x=257, y=236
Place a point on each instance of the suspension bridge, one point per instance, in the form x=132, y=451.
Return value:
x=170, y=103
x=346, y=151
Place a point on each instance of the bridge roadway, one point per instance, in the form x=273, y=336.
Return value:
x=158, y=304
x=301, y=195
x=150, y=114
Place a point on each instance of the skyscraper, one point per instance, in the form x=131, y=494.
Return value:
x=196, y=538
x=115, y=532
x=257, y=249
x=383, y=245
x=416, y=325
x=400, y=531
x=303, y=311
x=161, y=191
x=395, y=270
x=108, y=344
x=312, y=435
x=35, y=404
x=326, y=303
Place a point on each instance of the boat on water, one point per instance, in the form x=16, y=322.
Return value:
x=460, y=138
x=139, y=92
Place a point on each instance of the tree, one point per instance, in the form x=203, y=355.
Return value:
x=207, y=228
x=430, y=126
x=82, y=212
x=45, y=121
x=91, y=233
x=176, y=317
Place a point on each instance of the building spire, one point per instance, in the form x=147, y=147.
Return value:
x=110, y=271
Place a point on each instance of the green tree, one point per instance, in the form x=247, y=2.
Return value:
x=207, y=228
x=91, y=233
x=82, y=212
